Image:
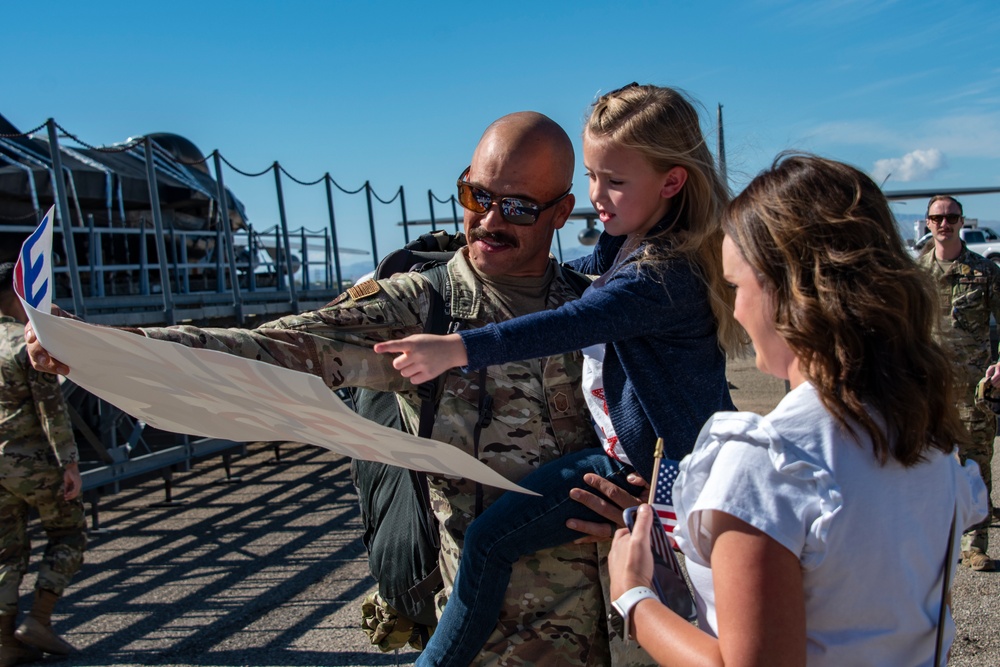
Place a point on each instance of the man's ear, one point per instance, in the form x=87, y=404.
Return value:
x=673, y=182
x=563, y=209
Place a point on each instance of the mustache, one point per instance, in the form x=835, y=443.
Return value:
x=478, y=234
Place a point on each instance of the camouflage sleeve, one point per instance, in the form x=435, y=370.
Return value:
x=334, y=342
x=53, y=414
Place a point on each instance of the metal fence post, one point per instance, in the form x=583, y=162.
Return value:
x=333, y=232
x=228, y=232
x=161, y=251
x=371, y=223
x=327, y=265
x=64, y=221
x=143, y=259
x=304, y=263
x=252, y=258
x=454, y=212
x=402, y=205
x=284, y=238
x=95, y=278
x=430, y=205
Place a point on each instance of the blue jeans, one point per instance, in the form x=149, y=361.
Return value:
x=513, y=526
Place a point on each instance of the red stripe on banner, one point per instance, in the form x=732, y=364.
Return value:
x=18, y=278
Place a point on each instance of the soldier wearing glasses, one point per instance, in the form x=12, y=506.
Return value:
x=969, y=292
x=516, y=194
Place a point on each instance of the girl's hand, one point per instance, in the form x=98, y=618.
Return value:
x=609, y=502
x=423, y=357
x=630, y=562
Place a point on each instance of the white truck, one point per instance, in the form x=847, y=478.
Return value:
x=980, y=240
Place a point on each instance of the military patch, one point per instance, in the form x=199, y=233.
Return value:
x=362, y=290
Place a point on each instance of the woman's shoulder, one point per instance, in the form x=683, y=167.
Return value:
x=754, y=468
x=784, y=438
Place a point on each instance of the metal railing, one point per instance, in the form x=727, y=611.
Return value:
x=119, y=270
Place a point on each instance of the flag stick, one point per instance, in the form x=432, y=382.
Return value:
x=657, y=455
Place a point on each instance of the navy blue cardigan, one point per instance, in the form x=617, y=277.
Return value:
x=664, y=373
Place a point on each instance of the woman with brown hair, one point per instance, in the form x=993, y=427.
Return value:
x=815, y=535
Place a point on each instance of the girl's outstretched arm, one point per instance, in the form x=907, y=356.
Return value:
x=423, y=357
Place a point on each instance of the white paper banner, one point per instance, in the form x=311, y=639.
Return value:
x=217, y=395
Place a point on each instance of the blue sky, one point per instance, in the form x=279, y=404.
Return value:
x=398, y=93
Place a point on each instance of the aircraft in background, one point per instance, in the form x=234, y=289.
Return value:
x=898, y=195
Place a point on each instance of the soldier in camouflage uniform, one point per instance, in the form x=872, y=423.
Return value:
x=553, y=613
x=38, y=468
x=969, y=292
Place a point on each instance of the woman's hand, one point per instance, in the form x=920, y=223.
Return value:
x=423, y=357
x=630, y=562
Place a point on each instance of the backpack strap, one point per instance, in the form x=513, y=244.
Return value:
x=579, y=282
x=437, y=322
x=484, y=419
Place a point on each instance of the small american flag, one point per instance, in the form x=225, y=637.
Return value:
x=677, y=596
x=663, y=492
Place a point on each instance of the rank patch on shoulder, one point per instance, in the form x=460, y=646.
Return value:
x=361, y=290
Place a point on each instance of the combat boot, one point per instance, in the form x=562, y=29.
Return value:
x=12, y=651
x=977, y=560
x=37, y=627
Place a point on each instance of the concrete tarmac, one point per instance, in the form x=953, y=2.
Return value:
x=270, y=570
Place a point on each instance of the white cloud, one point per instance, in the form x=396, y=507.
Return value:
x=914, y=166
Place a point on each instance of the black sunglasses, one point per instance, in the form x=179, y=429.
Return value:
x=515, y=210
x=950, y=218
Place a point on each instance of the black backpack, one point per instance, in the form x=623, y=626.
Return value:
x=400, y=531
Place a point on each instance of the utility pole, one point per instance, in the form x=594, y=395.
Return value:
x=722, y=151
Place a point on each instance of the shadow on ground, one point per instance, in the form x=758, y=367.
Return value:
x=271, y=570
x=268, y=570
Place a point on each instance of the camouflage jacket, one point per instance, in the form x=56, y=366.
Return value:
x=553, y=613
x=968, y=293
x=35, y=428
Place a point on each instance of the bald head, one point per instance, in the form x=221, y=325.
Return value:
x=528, y=140
x=523, y=156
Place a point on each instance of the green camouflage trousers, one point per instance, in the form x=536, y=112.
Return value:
x=981, y=423
x=64, y=526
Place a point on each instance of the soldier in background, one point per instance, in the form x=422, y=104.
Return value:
x=528, y=412
x=969, y=292
x=38, y=468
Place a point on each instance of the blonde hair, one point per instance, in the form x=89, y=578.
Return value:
x=852, y=305
x=662, y=124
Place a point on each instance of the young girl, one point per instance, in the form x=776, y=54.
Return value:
x=661, y=307
x=817, y=535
